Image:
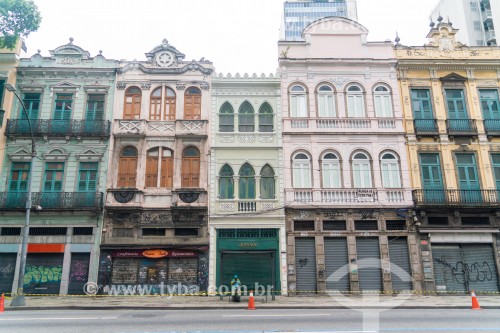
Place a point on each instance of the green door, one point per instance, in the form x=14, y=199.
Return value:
x=470, y=189
x=87, y=184
x=422, y=110
x=432, y=179
x=254, y=268
x=32, y=105
x=18, y=185
x=62, y=114
x=490, y=106
x=495, y=159
x=94, y=114
x=457, y=113
x=52, y=185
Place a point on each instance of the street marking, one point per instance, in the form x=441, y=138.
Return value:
x=88, y=318
x=282, y=315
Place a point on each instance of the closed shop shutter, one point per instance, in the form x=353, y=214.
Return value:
x=251, y=267
x=7, y=271
x=369, y=268
x=479, y=266
x=43, y=273
x=400, y=260
x=336, y=262
x=125, y=271
x=78, y=273
x=183, y=271
x=447, y=276
x=305, y=265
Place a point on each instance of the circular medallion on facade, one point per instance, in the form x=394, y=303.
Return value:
x=189, y=197
x=124, y=197
x=164, y=59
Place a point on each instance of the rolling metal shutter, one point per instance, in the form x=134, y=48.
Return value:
x=253, y=267
x=336, y=262
x=369, y=268
x=479, y=266
x=79, y=273
x=7, y=271
x=125, y=271
x=400, y=260
x=447, y=277
x=305, y=265
x=43, y=273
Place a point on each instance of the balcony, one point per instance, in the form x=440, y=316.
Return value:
x=492, y=127
x=490, y=36
x=349, y=197
x=52, y=200
x=144, y=127
x=343, y=125
x=426, y=127
x=245, y=206
x=58, y=128
x=487, y=16
x=457, y=198
x=461, y=127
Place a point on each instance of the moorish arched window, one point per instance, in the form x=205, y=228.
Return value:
x=246, y=118
x=226, y=118
x=246, y=183
x=266, y=119
x=267, y=183
x=226, y=182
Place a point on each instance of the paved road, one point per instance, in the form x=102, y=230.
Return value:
x=139, y=321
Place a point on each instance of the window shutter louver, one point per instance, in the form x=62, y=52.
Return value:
x=167, y=167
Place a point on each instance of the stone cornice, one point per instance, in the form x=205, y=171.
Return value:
x=192, y=66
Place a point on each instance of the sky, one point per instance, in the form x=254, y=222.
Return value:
x=238, y=36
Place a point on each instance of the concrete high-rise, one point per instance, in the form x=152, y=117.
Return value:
x=297, y=15
x=475, y=19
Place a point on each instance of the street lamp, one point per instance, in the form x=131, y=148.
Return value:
x=18, y=299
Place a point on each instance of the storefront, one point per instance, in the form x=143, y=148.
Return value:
x=156, y=271
x=252, y=254
x=7, y=268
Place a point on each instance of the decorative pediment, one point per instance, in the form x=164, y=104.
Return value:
x=20, y=155
x=64, y=86
x=56, y=154
x=69, y=51
x=443, y=36
x=165, y=55
x=89, y=156
x=453, y=78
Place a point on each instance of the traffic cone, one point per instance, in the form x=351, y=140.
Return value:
x=475, y=303
x=2, y=303
x=251, y=301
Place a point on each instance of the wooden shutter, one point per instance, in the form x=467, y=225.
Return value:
x=127, y=172
x=167, y=172
x=170, y=108
x=190, y=172
x=152, y=171
x=186, y=171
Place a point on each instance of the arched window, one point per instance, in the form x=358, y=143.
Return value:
x=266, y=119
x=298, y=101
x=132, y=106
x=383, y=101
x=391, y=176
x=191, y=167
x=155, y=105
x=192, y=103
x=226, y=118
x=159, y=168
x=246, y=118
x=361, y=171
x=267, y=183
x=326, y=102
x=226, y=183
x=301, y=171
x=247, y=182
x=127, y=168
x=330, y=167
x=355, y=102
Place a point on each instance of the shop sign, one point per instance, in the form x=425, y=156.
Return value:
x=248, y=244
x=155, y=253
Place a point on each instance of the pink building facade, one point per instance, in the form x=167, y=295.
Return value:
x=347, y=184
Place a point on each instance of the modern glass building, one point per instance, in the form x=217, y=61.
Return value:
x=299, y=14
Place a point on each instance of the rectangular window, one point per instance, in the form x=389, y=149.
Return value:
x=266, y=122
x=495, y=159
x=246, y=122
x=95, y=107
x=226, y=122
x=2, y=82
x=123, y=232
x=301, y=175
x=303, y=225
x=63, y=107
x=365, y=225
x=32, y=104
x=186, y=232
x=48, y=231
x=83, y=231
x=468, y=178
x=326, y=106
x=390, y=175
x=11, y=231
x=355, y=106
x=395, y=225
x=455, y=102
x=362, y=175
x=53, y=180
x=153, y=231
x=331, y=175
x=490, y=103
x=473, y=6
x=477, y=25
x=267, y=189
x=334, y=225
x=298, y=106
x=19, y=176
x=421, y=104
x=431, y=172
x=87, y=177
x=383, y=106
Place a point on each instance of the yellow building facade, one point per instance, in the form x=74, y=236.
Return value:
x=451, y=106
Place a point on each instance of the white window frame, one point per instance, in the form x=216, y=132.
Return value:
x=390, y=171
x=355, y=102
x=302, y=168
x=326, y=102
x=361, y=171
x=382, y=102
x=298, y=102
x=331, y=171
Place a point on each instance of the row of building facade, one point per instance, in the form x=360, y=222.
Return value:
x=359, y=166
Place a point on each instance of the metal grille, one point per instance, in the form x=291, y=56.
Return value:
x=395, y=225
x=400, y=264
x=437, y=220
x=11, y=231
x=186, y=232
x=335, y=225
x=227, y=233
x=305, y=264
x=366, y=225
x=336, y=262
x=369, y=268
x=268, y=233
x=153, y=231
x=41, y=231
x=83, y=231
x=248, y=233
x=303, y=225
x=476, y=220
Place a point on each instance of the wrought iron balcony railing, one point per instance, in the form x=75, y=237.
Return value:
x=457, y=198
x=426, y=126
x=463, y=127
x=52, y=200
x=492, y=126
x=50, y=127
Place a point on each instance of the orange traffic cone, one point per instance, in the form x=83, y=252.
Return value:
x=2, y=303
x=475, y=303
x=251, y=301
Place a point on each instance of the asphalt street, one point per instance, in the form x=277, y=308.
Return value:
x=140, y=321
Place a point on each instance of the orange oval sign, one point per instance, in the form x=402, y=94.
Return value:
x=155, y=253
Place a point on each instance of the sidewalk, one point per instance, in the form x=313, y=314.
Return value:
x=281, y=302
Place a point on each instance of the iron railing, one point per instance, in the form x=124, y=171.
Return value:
x=426, y=126
x=492, y=126
x=457, y=198
x=50, y=127
x=464, y=127
x=52, y=200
